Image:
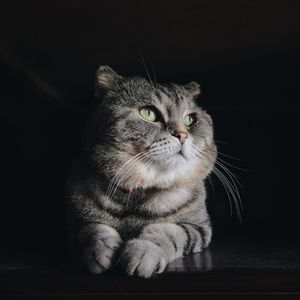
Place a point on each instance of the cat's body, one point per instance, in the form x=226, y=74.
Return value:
x=137, y=195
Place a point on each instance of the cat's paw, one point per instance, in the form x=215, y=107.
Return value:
x=100, y=254
x=143, y=258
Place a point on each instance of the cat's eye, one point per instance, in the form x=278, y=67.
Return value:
x=189, y=120
x=148, y=114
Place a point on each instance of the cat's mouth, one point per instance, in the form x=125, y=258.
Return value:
x=172, y=160
x=172, y=155
x=182, y=155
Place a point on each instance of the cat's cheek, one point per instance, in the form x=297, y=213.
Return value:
x=200, y=172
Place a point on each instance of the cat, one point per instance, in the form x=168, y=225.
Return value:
x=136, y=195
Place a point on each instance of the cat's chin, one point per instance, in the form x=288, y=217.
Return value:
x=172, y=162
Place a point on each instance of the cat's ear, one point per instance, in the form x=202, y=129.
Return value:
x=107, y=80
x=192, y=89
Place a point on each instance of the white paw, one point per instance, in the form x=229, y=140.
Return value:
x=99, y=255
x=143, y=258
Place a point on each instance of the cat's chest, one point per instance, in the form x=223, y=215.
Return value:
x=159, y=207
x=167, y=201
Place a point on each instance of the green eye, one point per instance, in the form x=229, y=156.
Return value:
x=189, y=120
x=148, y=114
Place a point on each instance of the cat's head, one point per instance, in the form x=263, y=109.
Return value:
x=149, y=135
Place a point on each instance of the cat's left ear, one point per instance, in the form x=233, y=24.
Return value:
x=192, y=89
x=107, y=80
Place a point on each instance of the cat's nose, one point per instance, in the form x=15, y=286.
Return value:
x=181, y=135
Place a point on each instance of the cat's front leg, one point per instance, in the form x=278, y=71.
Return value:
x=158, y=244
x=100, y=244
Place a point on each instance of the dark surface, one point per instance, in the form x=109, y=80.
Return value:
x=228, y=268
x=223, y=254
x=246, y=56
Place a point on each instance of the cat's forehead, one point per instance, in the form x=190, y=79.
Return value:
x=172, y=97
x=168, y=98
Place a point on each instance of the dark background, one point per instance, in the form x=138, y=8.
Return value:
x=244, y=53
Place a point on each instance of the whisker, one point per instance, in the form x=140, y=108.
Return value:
x=226, y=190
x=147, y=155
x=154, y=75
x=221, y=142
x=110, y=186
x=211, y=184
x=228, y=156
x=229, y=183
x=232, y=176
x=223, y=154
x=229, y=173
x=125, y=171
x=232, y=191
x=127, y=201
x=146, y=69
x=229, y=190
x=233, y=166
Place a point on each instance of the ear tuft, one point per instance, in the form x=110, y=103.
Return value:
x=106, y=80
x=193, y=89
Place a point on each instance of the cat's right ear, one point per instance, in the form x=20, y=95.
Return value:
x=193, y=89
x=107, y=80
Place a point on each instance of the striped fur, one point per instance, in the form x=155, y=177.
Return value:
x=163, y=216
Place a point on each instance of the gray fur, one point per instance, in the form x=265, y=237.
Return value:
x=163, y=215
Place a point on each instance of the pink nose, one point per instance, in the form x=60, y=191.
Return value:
x=181, y=135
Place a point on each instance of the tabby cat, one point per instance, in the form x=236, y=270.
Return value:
x=136, y=196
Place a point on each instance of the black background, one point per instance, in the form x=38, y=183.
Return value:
x=244, y=53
